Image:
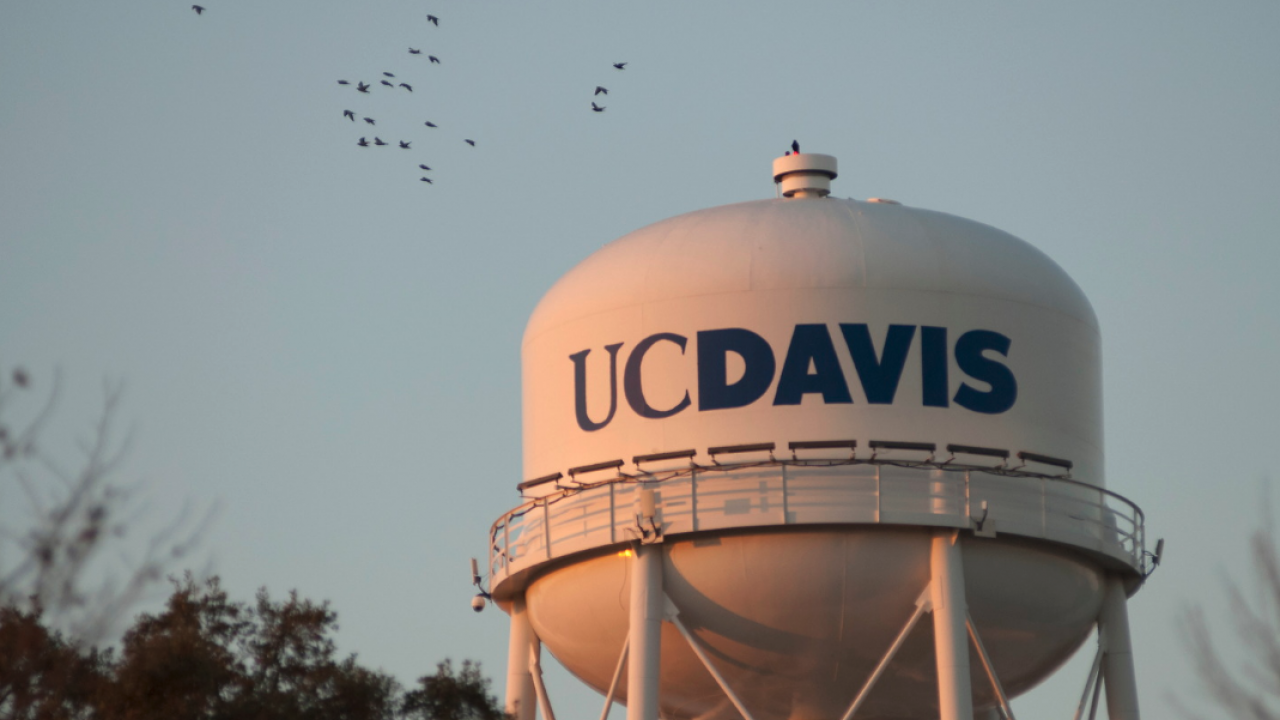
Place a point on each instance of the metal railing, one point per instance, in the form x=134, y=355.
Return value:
x=797, y=492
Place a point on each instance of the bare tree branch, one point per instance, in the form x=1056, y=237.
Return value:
x=70, y=557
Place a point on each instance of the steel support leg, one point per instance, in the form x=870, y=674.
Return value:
x=645, y=636
x=711, y=668
x=923, y=605
x=951, y=642
x=535, y=667
x=1091, y=679
x=1117, y=666
x=521, y=696
x=990, y=669
x=617, y=676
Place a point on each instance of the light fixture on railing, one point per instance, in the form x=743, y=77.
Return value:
x=745, y=448
x=658, y=457
x=851, y=445
x=975, y=450
x=1028, y=457
x=878, y=445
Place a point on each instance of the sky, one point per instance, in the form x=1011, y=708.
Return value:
x=325, y=349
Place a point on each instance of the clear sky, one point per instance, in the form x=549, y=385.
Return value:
x=328, y=348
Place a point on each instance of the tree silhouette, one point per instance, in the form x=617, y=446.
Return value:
x=1251, y=689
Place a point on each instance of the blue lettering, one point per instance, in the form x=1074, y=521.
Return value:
x=631, y=378
x=879, y=377
x=580, y=387
x=933, y=366
x=1004, y=387
x=714, y=390
x=811, y=344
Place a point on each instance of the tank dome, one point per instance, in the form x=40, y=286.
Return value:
x=877, y=320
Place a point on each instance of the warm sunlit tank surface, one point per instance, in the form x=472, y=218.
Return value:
x=785, y=320
x=797, y=620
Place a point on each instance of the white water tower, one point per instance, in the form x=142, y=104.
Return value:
x=815, y=459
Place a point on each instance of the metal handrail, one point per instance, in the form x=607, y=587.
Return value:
x=1133, y=539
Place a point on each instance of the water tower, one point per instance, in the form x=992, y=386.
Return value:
x=815, y=459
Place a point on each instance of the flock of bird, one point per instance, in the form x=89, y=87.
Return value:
x=366, y=88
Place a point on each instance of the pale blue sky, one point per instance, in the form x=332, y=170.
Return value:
x=329, y=348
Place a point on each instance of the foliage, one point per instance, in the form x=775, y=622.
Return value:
x=1251, y=690
x=206, y=657
x=74, y=517
x=446, y=696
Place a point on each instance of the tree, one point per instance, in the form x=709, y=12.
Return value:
x=206, y=657
x=43, y=677
x=55, y=561
x=1251, y=689
x=446, y=696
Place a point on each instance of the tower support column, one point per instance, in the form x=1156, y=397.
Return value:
x=950, y=635
x=1117, y=663
x=645, y=638
x=522, y=699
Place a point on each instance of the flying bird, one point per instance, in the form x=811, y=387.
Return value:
x=378, y=141
x=362, y=87
x=433, y=20
x=343, y=82
x=472, y=143
x=424, y=167
x=404, y=145
x=620, y=66
x=412, y=51
x=370, y=121
x=363, y=143
x=426, y=180
x=198, y=8
x=349, y=114
x=430, y=124
x=388, y=74
x=601, y=91
x=597, y=108
x=407, y=86
x=434, y=59
x=388, y=83
x=795, y=147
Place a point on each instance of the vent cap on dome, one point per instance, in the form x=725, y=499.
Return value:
x=804, y=175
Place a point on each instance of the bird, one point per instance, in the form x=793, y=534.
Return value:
x=434, y=59
x=795, y=147
x=363, y=143
x=425, y=167
x=388, y=74
x=472, y=143
x=597, y=108
x=378, y=141
x=430, y=124
x=349, y=114
x=370, y=121
x=433, y=20
x=413, y=51
x=198, y=8
x=620, y=66
x=426, y=180
x=388, y=83
x=362, y=87
x=601, y=91
x=404, y=145
x=343, y=82
x=407, y=86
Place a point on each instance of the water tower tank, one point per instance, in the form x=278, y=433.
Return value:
x=809, y=458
